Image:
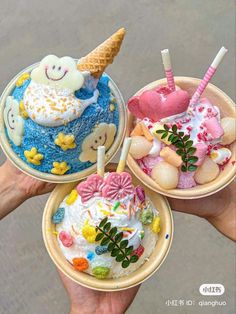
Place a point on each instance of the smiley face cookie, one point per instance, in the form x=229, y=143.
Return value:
x=103, y=135
x=13, y=121
x=49, y=99
x=58, y=72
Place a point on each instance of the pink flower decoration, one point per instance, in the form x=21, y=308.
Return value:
x=91, y=187
x=118, y=185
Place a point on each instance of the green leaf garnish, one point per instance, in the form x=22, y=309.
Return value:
x=184, y=146
x=117, y=247
x=99, y=236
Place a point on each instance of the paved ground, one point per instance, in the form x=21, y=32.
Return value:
x=194, y=31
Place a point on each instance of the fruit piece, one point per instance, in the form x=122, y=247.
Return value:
x=159, y=126
x=140, y=147
x=170, y=156
x=229, y=126
x=165, y=175
x=207, y=172
x=221, y=155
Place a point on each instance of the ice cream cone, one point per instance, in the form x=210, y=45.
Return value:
x=98, y=59
x=141, y=274
x=227, y=109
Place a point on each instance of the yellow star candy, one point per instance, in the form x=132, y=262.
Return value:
x=23, y=112
x=60, y=168
x=24, y=77
x=33, y=156
x=65, y=141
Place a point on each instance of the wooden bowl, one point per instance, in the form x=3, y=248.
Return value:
x=143, y=273
x=227, y=108
x=23, y=166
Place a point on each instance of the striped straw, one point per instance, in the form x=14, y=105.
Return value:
x=168, y=69
x=207, y=77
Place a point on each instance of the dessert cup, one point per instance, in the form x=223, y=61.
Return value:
x=141, y=274
x=23, y=166
x=227, y=108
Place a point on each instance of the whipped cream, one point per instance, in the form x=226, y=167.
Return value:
x=92, y=212
x=54, y=106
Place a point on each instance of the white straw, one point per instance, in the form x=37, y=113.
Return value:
x=101, y=160
x=168, y=69
x=219, y=57
x=124, y=154
x=166, y=59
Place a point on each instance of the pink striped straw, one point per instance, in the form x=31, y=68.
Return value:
x=168, y=69
x=207, y=77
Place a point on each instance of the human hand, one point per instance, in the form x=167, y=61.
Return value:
x=218, y=209
x=85, y=300
x=16, y=187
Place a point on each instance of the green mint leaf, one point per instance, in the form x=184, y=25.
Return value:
x=188, y=144
x=133, y=258
x=125, y=264
x=114, y=252
x=180, y=152
x=186, y=137
x=170, y=137
x=174, y=128
x=184, y=158
x=166, y=127
x=191, y=150
x=160, y=131
x=123, y=244
x=102, y=223
x=164, y=135
x=99, y=237
x=129, y=250
x=183, y=168
x=179, y=145
x=105, y=241
x=111, y=246
x=192, y=168
x=107, y=226
x=112, y=232
x=192, y=159
x=120, y=257
x=181, y=134
x=174, y=139
x=119, y=237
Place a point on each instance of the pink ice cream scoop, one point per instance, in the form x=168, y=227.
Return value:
x=214, y=128
x=159, y=103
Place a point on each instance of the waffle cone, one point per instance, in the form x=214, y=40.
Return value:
x=98, y=59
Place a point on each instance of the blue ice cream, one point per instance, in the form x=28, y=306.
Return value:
x=103, y=113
